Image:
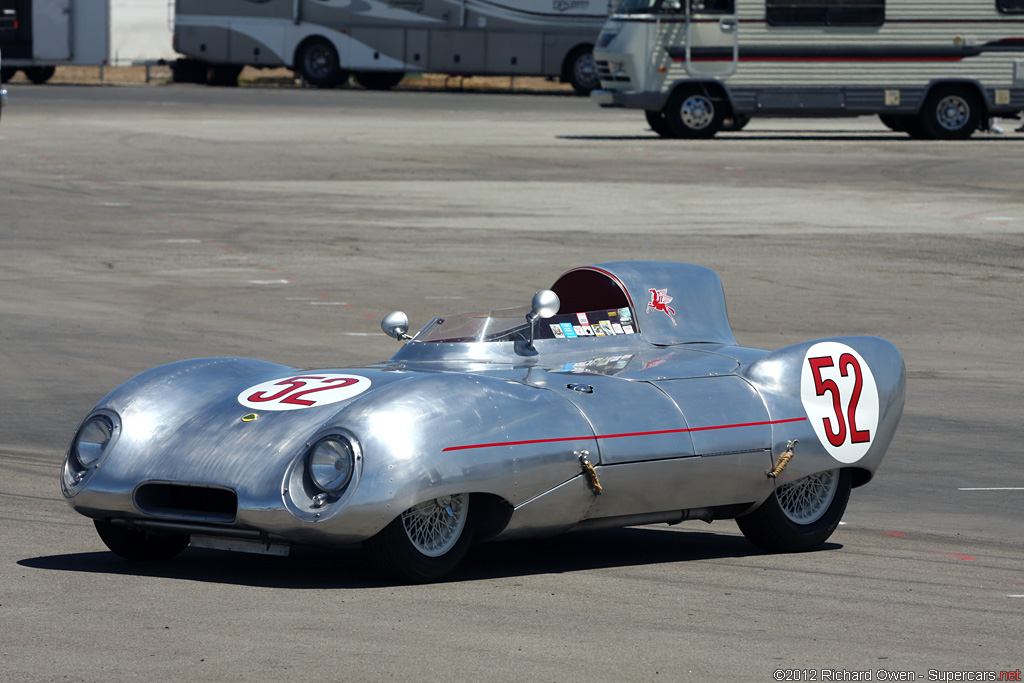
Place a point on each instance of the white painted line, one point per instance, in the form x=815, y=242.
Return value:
x=1012, y=595
x=999, y=218
x=268, y=282
x=182, y=241
x=993, y=488
x=362, y=334
x=326, y=303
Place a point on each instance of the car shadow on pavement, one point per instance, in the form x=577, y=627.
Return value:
x=319, y=568
x=823, y=136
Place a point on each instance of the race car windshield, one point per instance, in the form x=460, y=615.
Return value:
x=509, y=324
x=485, y=326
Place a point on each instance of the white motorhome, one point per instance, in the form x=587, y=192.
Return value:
x=378, y=41
x=930, y=68
x=38, y=35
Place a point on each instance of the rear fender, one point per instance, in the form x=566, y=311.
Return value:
x=840, y=397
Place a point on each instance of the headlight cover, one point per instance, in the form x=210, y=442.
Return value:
x=331, y=463
x=91, y=443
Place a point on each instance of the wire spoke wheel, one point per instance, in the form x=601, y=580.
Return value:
x=800, y=515
x=806, y=500
x=435, y=526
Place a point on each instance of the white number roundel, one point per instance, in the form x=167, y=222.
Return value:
x=841, y=399
x=303, y=391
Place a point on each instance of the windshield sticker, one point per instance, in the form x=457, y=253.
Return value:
x=556, y=329
x=660, y=301
x=625, y=316
x=586, y=331
x=628, y=329
x=303, y=391
x=617, y=328
x=569, y=331
x=583, y=318
x=606, y=325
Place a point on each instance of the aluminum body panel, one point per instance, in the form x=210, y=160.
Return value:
x=692, y=421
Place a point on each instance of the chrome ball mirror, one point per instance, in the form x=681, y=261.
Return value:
x=396, y=325
x=545, y=304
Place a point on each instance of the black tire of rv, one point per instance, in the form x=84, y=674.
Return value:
x=7, y=73
x=39, y=74
x=693, y=114
x=317, y=62
x=950, y=112
x=580, y=70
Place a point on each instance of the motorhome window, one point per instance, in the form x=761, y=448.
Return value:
x=828, y=12
x=1010, y=6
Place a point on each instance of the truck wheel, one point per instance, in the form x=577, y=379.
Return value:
x=318, y=63
x=427, y=541
x=656, y=120
x=379, y=80
x=580, y=70
x=143, y=546
x=7, y=73
x=693, y=114
x=39, y=74
x=189, y=71
x=951, y=113
x=801, y=515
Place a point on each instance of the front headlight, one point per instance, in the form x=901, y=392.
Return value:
x=91, y=443
x=331, y=462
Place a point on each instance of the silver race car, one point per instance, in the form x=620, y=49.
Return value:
x=618, y=398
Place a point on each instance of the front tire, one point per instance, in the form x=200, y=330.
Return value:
x=318, y=63
x=427, y=541
x=801, y=515
x=140, y=545
x=693, y=114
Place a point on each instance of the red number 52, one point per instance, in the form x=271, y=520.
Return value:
x=837, y=434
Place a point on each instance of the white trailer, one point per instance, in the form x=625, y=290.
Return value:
x=378, y=41
x=38, y=35
x=930, y=68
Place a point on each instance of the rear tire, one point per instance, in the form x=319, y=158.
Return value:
x=427, y=541
x=951, y=112
x=693, y=114
x=7, y=73
x=801, y=515
x=139, y=545
x=580, y=71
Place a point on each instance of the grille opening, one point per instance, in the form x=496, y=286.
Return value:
x=192, y=502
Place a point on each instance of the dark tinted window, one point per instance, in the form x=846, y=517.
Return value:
x=828, y=12
x=1010, y=6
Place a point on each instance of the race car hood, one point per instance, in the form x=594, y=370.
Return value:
x=228, y=422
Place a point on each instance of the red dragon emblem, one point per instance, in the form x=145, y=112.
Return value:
x=660, y=301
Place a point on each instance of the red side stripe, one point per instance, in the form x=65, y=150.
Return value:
x=624, y=435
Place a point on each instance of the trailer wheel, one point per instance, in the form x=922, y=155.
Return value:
x=580, y=70
x=7, y=73
x=318, y=63
x=656, y=120
x=39, y=74
x=693, y=114
x=735, y=123
x=379, y=80
x=951, y=113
